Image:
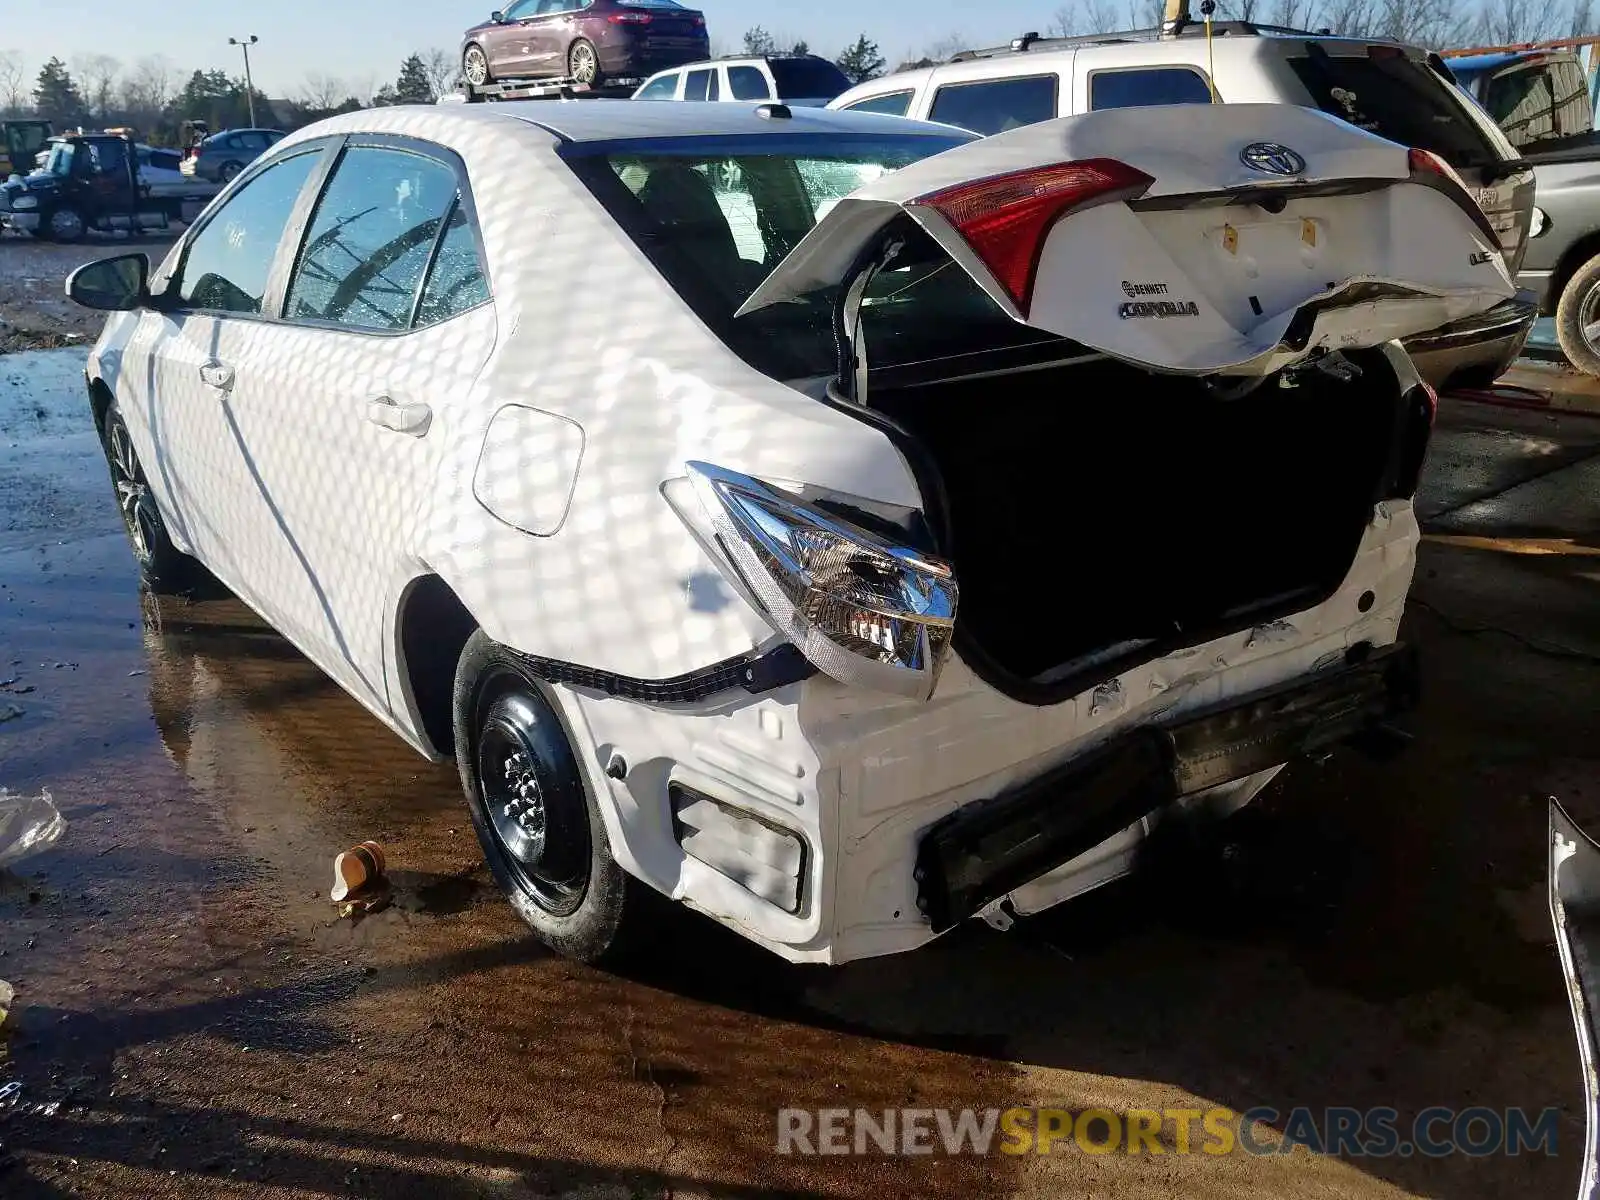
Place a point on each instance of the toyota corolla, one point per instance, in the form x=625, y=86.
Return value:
x=842, y=526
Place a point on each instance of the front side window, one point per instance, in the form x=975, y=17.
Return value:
x=996, y=105
x=748, y=83
x=663, y=88
x=371, y=238
x=226, y=266
x=1144, y=88
x=522, y=9
x=891, y=104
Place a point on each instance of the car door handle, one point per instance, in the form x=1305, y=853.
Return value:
x=217, y=375
x=386, y=413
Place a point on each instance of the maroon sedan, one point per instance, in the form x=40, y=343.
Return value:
x=592, y=42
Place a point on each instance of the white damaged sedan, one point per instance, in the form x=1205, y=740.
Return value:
x=840, y=526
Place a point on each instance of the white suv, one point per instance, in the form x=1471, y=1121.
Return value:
x=800, y=79
x=1399, y=92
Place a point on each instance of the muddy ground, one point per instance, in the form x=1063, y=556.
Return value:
x=193, y=1020
x=34, y=311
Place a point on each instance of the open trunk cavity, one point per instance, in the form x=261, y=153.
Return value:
x=1098, y=515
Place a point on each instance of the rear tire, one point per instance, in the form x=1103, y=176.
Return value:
x=583, y=64
x=64, y=224
x=533, y=811
x=1578, y=318
x=165, y=569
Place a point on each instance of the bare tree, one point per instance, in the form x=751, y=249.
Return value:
x=324, y=91
x=443, y=69
x=1581, y=23
x=97, y=81
x=148, y=87
x=949, y=45
x=1087, y=16
x=13, y=77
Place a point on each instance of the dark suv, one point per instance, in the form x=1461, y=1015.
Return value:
x=594, y=43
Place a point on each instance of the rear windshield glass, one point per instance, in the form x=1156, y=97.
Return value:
x=1541, y=103
x=1397, y=98
x=716, y=216
x=808, y=79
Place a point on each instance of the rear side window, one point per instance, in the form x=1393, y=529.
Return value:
x=226, y=266
x=747, y=83
x=457, y=281
x=894, y=104
x=1398, y=98
x=1139, y=89
x=371, y=239
x=665, y=88
x=996, y=105
x=702, y=85
x=808, y=78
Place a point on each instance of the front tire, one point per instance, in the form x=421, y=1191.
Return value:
x=583, y=63
x=533, y=811
x=166, y=570
x=1578, y=318
x=475, y=67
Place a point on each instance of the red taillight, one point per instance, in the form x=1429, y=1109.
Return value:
x=1426, y=162
x=629, y=18
x=1006, y=219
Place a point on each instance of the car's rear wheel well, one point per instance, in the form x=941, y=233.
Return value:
x=434, y=628
x=1579, y=253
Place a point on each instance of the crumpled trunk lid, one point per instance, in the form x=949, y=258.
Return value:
x=1236, y=239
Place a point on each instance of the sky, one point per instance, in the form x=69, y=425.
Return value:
x=365, y=40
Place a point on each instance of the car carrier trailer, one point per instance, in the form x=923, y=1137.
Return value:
x=541, y=89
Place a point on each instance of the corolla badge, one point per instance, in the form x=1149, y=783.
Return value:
x=1270, y=158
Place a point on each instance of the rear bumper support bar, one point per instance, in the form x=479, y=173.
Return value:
x=983, y=851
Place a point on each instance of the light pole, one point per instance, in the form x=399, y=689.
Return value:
x=249, y=84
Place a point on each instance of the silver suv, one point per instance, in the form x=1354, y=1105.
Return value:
x=1396, y=91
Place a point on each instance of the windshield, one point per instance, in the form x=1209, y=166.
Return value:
x=716, y=216
x=60, y=160
x=1541, y=102
x=1398, y=98
x=808, y=79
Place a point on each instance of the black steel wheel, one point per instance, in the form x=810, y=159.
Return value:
x=536, y=819
x=165, y=568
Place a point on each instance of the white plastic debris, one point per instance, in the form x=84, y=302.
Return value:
x=28, y=825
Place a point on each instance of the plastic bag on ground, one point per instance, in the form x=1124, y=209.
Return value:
x=28, y=825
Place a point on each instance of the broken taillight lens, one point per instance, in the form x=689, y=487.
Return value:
x=1426, y=162
x=1005, y=219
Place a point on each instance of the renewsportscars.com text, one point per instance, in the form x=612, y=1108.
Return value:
x=1343, y=1132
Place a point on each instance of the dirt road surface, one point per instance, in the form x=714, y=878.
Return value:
x=35, y=313
x=193, y=1020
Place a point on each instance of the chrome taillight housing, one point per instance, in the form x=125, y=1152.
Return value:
x=865, y=611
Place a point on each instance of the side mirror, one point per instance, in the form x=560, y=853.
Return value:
x=118, y=284
x=498, y=17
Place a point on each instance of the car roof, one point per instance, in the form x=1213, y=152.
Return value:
x=1476, y=64
x=614, y=120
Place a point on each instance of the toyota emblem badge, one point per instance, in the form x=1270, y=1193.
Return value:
x=1270, y=158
